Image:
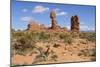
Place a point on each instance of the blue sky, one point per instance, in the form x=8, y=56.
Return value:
x=23, y=12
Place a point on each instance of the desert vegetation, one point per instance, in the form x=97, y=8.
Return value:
x=90, y=36
x=44, y=47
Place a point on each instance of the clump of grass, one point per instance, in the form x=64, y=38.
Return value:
x=44, y=37
x=41, y=36
x=23, y=44
x=66, y=37
x=14, y=66
x=42, y=56
x=88, y=52
x=93, y=59
x=63, y=35
x=54, y=57
x=74, y=34
x=92, y=52
x=84, y=41
x=25, y=41
x=68, y=40
x=52, y=52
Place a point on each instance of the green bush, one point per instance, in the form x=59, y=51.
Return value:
x=66, y=37
x=42, y=55
x=17, y=34
x=23, y=43
x=68, y=40
x=63, y=35
x=74, y=34
x=44, y=37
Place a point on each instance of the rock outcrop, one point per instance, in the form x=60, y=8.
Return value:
x=75, y=25
x=53, y=20
x=34, y=26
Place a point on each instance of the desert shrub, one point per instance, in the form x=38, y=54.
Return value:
x=25, y=41
x=93, y=59
x=28, y=35
x=52, y=52
x=42, y=56
x=14, y=66
x=38, y=58
x=88, y=52
x=43, y=36
x=83, y=53
x=36, y=36
x=84, y=41
x=17, y=34
x=54, y=57
x=66, y=37
x=63, y=35
x=68, y=40
x=90, y=36
x=23, y=44
x=74, y=34
x=56, y=45
x=92, y=52
x=31, y=36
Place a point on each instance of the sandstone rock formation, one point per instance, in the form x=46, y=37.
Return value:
x=34, y=26
x=75, y=27
x=53, y=20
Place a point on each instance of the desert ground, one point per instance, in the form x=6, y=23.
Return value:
x=29, y=48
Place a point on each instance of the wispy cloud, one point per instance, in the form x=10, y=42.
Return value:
x=86, y=28
x=61, y=13
x=68, y=27
x=40, y=9
x=56, y=9
x=26, y=18
x=24, y=10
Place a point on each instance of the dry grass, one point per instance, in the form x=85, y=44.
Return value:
x=53, y=45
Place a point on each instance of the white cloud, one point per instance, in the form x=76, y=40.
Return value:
x=56, y=9
x=40, y=9
x=85, y=27
x=61, y=13
x=68, y=27
x=24, y=10
x=26, y=19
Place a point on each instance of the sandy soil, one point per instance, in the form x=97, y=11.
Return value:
x=68, y=53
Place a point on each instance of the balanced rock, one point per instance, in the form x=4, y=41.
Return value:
x=53, y=20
